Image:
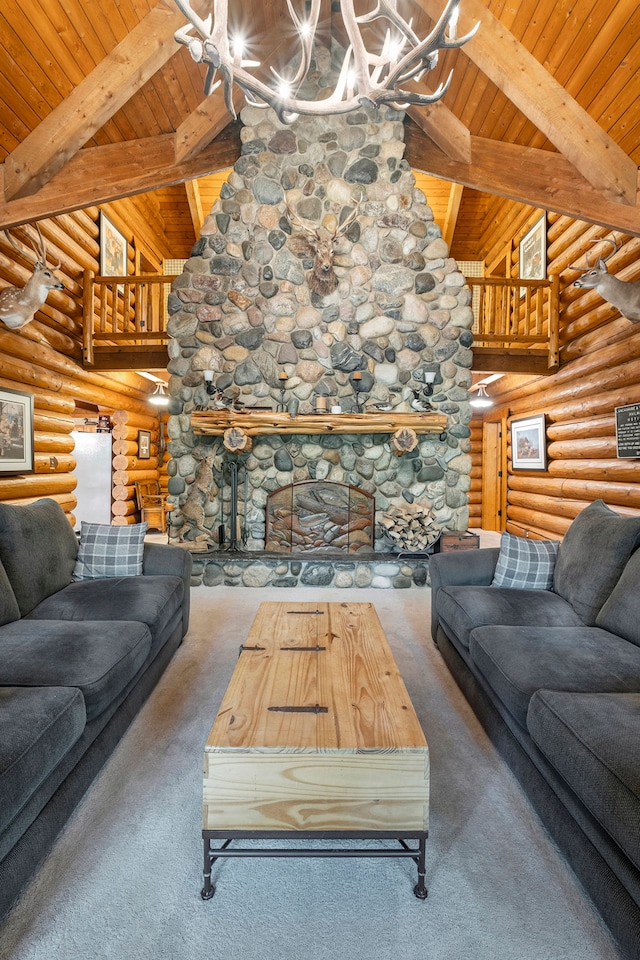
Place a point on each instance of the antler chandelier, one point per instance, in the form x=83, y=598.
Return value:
x=365, y=79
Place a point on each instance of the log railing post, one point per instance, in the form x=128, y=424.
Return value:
x=87, y=319
x=554, y=322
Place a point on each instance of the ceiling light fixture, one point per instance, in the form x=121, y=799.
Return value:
x=159, y=397
x=481, y=400
x=364, y=79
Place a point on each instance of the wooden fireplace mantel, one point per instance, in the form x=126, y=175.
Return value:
x=254, y=423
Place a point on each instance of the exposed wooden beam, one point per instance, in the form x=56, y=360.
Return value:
x=525, y=174
x=444, y=128
x=453, y=208
x=100, y=174
x=89, y=105
x=195, y=205
x=205, y=123
x=518, y=74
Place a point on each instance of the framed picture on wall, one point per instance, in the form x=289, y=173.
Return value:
x=144, y=444
x=529, y=443
x=114, y=255
x=532, y=252
x=16, y=431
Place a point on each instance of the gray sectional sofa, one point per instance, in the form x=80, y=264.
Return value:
x=77, y=660
x=554, y=676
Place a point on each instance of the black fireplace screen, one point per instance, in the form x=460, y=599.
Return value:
x=320, y=516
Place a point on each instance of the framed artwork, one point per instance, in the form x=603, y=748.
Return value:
x=529, y=443
x=16, y=431
x=532, y=252
x=113, y=249
x=144, y=444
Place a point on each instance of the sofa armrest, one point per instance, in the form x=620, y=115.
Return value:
x=460, y=568
x=161, y=559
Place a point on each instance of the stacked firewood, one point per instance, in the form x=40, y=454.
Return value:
x=410, y=528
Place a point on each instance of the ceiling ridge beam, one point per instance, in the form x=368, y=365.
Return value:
x=87, y=108
x=531, y=88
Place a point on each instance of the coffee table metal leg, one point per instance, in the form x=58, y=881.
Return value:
x=420, y=889
x=208, y=889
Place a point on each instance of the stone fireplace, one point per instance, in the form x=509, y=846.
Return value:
x=399, y=316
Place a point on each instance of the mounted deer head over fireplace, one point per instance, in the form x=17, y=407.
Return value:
x=623, y=294
x=322, y=279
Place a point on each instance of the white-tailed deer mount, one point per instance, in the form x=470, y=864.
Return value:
x=321, y=278
x=18, y=305
x=623, y=294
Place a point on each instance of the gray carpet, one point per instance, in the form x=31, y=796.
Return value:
x=123, y=881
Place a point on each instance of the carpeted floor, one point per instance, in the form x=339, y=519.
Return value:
x=124, y=879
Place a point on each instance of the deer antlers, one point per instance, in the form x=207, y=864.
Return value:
x=369, y=79
x=614, y=244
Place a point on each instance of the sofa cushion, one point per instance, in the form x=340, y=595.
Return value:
x=525, y=564
x=517, y=661
x=593, y=741
x=592, y=557
x=107, y=551
x=462, y=608
x=9, y=609
x=151, y=600
x=97, y=657
x=39, y=726
x=621, y=612
x=38, y=550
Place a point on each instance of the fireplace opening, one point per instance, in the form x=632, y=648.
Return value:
x=320, y=516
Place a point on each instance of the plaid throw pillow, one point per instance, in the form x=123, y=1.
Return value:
x=525, y=564
x=107, y=551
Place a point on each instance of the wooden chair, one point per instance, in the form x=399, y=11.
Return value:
x=151, y=504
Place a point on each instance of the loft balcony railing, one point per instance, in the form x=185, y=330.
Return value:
x=125, y=322
x=515, y=324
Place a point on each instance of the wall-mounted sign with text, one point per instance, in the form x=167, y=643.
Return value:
x=628, y=431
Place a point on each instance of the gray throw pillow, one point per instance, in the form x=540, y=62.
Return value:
x=525, y=564
x=592, y=557
x=107, y=551
x=621, y=612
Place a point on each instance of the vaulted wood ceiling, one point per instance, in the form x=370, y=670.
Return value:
x=98, y=101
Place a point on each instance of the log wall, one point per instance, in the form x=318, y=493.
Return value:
x=600, y=370
x=44, y=357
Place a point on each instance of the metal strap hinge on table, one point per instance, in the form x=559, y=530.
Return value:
x=303, y=649
x=311, y=709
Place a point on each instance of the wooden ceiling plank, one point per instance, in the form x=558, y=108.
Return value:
x=67, y=128
x=525, y=174
x=101, y=174
x=534, y=91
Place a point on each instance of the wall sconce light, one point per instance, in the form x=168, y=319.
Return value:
x=429, y=377
x=208, y=382
x=159, y=397
x=481, y=401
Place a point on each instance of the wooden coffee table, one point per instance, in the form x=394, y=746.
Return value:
x=316, y=738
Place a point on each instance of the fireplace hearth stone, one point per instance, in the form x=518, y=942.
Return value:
x=258, y=569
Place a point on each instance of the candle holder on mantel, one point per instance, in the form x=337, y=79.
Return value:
x=282, y=377
x=358, y=389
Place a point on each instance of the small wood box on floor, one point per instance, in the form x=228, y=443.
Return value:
x=452, y=540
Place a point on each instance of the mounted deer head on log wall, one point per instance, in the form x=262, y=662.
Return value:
x=18, y=305
x=322, y=279
x=623, y=294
